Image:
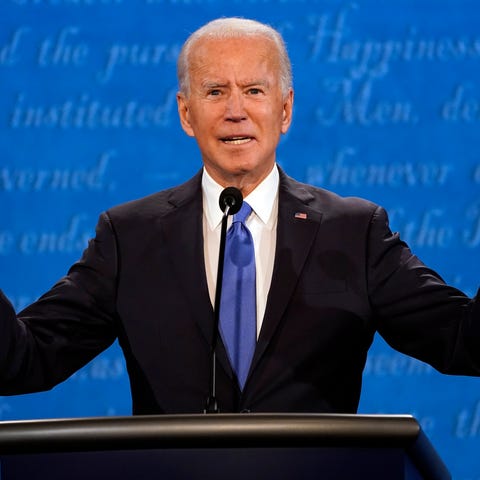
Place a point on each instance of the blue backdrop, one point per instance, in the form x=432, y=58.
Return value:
x=387, y=107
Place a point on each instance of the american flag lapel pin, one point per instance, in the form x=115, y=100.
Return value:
x=301, y=215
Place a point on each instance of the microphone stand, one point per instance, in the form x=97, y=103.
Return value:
x=230, y=201
x=211, y=404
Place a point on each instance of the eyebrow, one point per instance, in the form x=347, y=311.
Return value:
x=263, y=83
x=207, y=85
x=251, y=83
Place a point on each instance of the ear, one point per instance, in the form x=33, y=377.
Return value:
x=184, y=114
x=287, y=112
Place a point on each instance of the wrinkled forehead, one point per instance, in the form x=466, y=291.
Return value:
x=220, y=50
x=246, y=52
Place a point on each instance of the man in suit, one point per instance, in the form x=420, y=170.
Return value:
x=330, y=273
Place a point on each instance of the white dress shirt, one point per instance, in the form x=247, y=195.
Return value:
x=262, y=223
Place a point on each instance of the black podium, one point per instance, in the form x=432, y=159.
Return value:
x=231, y=447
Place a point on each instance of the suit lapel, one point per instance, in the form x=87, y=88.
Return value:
x=297, y=228
x=183, y=233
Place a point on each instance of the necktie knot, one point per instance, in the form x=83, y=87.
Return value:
x=243, y=213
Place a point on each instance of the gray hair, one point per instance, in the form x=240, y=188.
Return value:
x=234, y=28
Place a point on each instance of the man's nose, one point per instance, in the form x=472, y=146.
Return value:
x=235, y=107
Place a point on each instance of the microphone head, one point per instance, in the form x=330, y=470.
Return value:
x=231, y=197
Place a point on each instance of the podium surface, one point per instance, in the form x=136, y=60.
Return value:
x=220, y=446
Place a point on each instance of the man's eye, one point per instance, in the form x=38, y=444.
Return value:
x=214, y=92
x=254, y=91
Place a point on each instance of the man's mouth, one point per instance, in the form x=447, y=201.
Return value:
x=236, y=140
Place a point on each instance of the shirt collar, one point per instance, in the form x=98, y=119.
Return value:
x=262, y=199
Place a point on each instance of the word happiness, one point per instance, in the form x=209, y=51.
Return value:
x=332, y=42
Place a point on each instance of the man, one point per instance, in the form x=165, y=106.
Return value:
x=329, y=271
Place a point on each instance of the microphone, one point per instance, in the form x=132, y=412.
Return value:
x=232, y=198
x=230, y=202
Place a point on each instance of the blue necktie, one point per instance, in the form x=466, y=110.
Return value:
x=238, y=311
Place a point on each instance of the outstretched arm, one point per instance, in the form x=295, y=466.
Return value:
x=65, y=328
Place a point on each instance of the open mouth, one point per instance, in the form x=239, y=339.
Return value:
x=236, y=140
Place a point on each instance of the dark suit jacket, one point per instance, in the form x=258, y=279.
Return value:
x=339, y=276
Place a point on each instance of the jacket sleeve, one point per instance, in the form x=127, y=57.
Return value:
x=66, y=327
x=415, y=311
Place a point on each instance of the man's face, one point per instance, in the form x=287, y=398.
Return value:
x=235, y=108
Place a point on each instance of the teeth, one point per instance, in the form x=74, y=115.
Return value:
x=237, y=141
